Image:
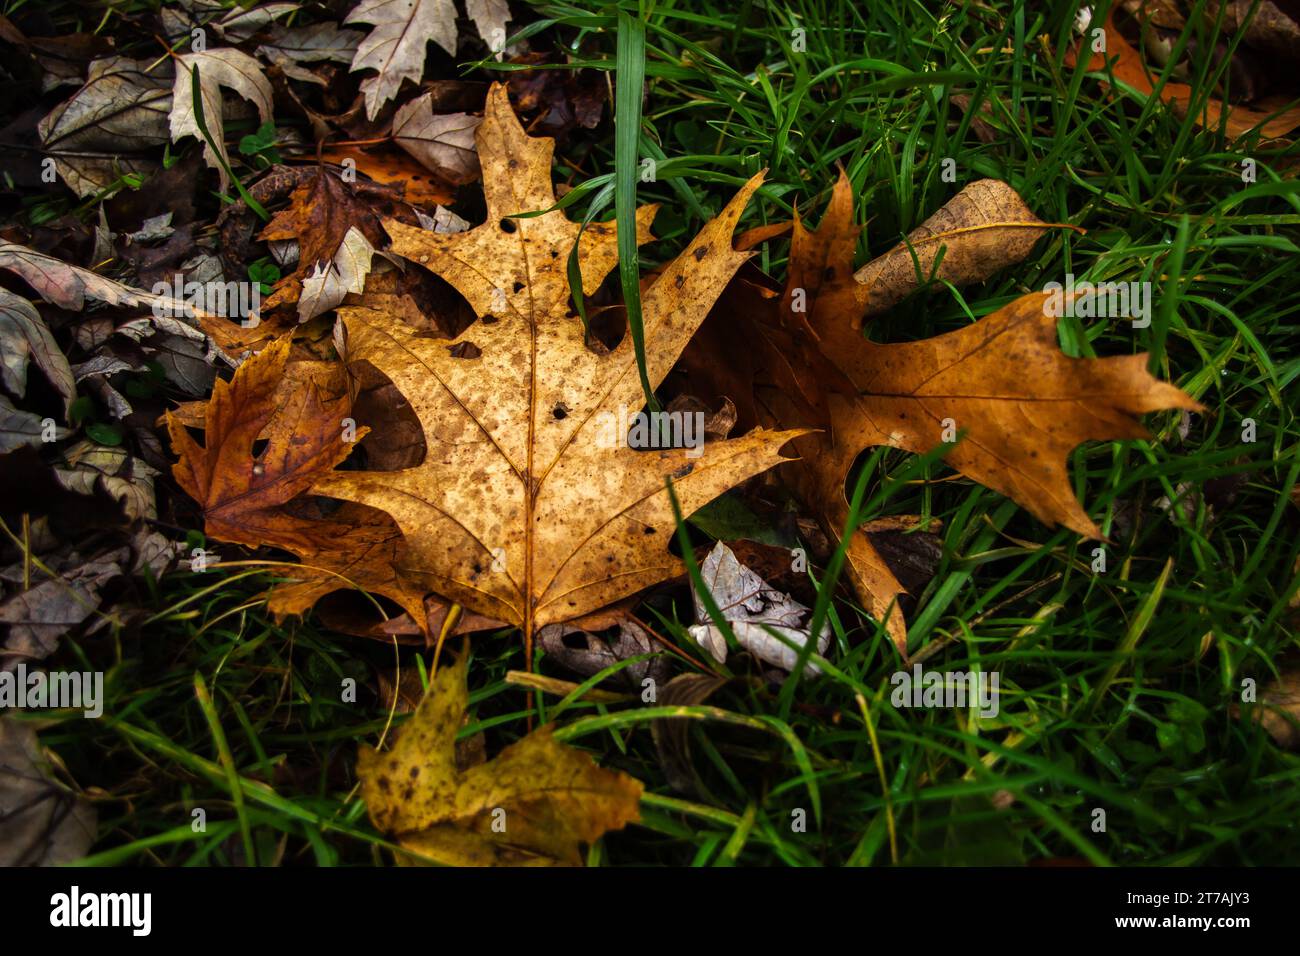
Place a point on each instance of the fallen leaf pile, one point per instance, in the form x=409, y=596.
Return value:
x=98, y=337
x=337, y=229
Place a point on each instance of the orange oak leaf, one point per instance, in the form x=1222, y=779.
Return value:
x=1021, y=403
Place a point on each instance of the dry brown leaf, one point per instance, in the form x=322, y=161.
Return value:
x=672, y=736
x=242, y=494
x=535, y=803
x=352, y=614
x=311, y=44
x=490, y=18
x=24, y=337
x=335, y=225
x=585, y=652
x=108, y=126
x=982, y=229
x=556, y=100
x=520, y=509
x=42, y=822
x=332, y=282
x=1271, y=28
x=329, y=378
x=395, y=47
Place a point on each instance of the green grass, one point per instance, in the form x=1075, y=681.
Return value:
x=1116, y=687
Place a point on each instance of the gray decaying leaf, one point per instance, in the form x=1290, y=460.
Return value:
x=92, y=332
x=39, y=617
x=42, y=823
x=239, y=24
x=154, y=551
x=24, y=336
x=184, y=361
x=19, y=427
x=108, y=126
x=153, y=229
x=330, y=283
x=320, y=42
x=586, y=653
x=104, y=364
x=125, y=477
x=490, y=17
x=442, y=142
x=232, y=23
x=672, y=735
x=111, y=398
x=754, y=610
x=395, y=48
x=218, y=69
x=442, y=220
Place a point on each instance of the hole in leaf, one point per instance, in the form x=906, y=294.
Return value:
x=396, y=439
x=575, y=641
x=464, y=350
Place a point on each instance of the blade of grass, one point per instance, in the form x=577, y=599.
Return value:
x=227, y=763
x=630, y=79
x=202, y=122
